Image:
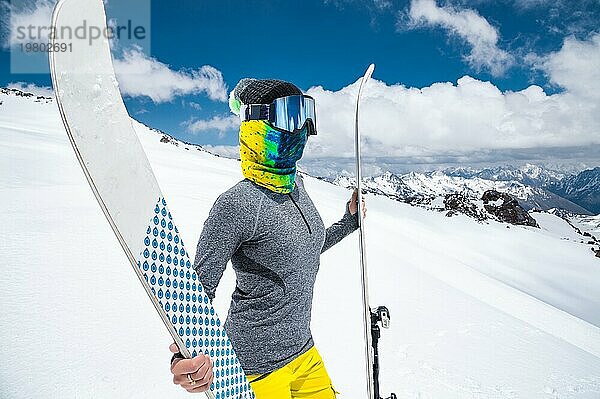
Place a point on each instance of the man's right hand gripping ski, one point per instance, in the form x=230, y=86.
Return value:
x=194, y=375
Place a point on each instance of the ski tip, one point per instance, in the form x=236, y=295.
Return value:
x=369, y=72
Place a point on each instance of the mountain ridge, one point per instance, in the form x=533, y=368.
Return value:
x=421, y=186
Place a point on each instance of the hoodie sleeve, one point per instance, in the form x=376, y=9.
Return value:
x=340, y=229
x=228, y=225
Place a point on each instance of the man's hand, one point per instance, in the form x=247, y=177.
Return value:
x=353, y=207
x=194, y=375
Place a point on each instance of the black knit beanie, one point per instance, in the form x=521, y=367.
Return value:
x=259, y=91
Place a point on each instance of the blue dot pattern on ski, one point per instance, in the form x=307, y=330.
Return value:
x=167, y=269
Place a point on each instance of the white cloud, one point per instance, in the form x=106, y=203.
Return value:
x=141, y=75
x=29, y=23
x=467, y=24
x=222, y=124
x=32, y=88
x=575, y=67
x=468, y=116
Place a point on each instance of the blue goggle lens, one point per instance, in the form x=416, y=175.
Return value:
x=291, y=113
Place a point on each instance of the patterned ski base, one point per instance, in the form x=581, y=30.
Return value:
x=166, y=267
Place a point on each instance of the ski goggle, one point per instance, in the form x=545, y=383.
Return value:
x=291, y=113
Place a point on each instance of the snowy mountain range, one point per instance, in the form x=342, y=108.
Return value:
x=479, y=310
x=529, y=174
x=533, y=186
x=582, y=189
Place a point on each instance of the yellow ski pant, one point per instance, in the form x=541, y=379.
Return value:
x=303, y=377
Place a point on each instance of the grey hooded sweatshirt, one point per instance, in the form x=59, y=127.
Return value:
x=274, y=242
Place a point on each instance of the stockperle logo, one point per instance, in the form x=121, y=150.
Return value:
x=31, y=35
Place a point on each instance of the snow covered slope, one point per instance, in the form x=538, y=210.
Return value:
x=589, y=224
x=478, y=310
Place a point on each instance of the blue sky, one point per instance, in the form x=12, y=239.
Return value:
x=414, y=43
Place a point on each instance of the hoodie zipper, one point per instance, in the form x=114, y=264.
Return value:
x=301, y=214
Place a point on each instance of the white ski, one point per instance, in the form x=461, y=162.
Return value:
x=363, y=256
x=120, y=176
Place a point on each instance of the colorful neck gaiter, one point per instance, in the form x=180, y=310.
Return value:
x=269, y=156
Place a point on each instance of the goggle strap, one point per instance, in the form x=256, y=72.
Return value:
x=256, y=112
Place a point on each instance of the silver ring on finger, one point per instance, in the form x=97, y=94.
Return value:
x=190, y=379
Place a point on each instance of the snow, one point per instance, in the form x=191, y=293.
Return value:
x=478, y=310
x=589, y=224
x=433, y=184
x=496, y=203
x=438, y=183
x=527, y=172
x=527, y=184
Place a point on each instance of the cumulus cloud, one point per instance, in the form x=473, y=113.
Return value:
x=575, y=67
x=141, y=75
x=467, y=116
x=32, y=88
x=467, y=24
x=29, y=23
x=222, y=124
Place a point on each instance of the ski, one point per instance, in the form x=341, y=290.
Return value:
x=371, y=319
x=363, y=255
x=121, y=178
